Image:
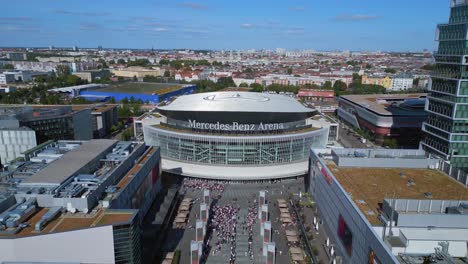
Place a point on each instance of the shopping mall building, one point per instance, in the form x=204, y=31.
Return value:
x=235, y=135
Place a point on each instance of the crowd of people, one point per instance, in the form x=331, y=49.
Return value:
x=249, y=223
x=198, y=184
x=223, y=224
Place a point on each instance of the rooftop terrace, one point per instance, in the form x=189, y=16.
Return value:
x=368, y=187
x=68, y=222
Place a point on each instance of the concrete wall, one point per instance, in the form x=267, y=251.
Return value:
x=92, y=245
x=384, y=158
x=333, y=201
x=15, y=142
x=82, y=125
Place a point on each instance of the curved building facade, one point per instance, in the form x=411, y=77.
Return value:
x=235, y=135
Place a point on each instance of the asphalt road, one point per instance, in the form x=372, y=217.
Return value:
x=350, y=139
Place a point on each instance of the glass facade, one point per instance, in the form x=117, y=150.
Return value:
x=447, y=125
x=127, y=246
x=237, y=149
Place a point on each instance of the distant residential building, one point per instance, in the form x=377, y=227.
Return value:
x=187, y=76
x=239, y=81
x=51, y=66
x=7, y=89
x=14, y=139
x=301, y=81
x=402, y=82
x=316, y=95
x=17, y=56
x=6, y=78
x=398, y=117
x=26, y=76
x=138, y=72
x=92, y=75
x=384, y=81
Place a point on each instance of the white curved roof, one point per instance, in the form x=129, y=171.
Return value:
x=237, y=102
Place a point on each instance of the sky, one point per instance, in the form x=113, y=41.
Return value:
x=357, y=25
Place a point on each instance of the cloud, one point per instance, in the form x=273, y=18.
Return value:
x=193, y=6
x=356, y=17
x=15, y=19
x=161, y=29
x=297, y=8
x=88, y=14
x=247, y=25
x=18, y=28
x=86, y=26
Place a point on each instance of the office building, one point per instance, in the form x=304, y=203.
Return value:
x=388, y=206
x=235, y=135
x=52, y=122
x=138, y=72
x=397, y=117
x=92, y=75
x=104, y=116
x=447, y=125
x=77, y=202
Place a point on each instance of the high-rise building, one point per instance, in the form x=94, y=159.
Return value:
x=447, y=125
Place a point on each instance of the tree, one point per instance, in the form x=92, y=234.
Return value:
x=357, y=78
x=225, y=82
x=164, y=62
x=243, y=85
x=120, y=79
x=121, y=61
x=138, y=62
x=103, y=63
x=339, y=86
x=112, y=62
x=135, y=78
x=256, y=87
x=368, y=66
x=390, y=70
x=327, y=85
x=390, y=142
x=428, y=67
x=167, y=73
x=8, y=66
x=63, y=70
x=73, y=80
x=290, y=71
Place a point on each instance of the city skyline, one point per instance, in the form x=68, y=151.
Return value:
x=342, y=25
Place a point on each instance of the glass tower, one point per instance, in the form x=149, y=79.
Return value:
x=446, y=128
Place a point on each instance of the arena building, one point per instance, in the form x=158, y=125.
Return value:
x=235, y=135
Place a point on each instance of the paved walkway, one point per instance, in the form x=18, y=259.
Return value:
x=242, y=195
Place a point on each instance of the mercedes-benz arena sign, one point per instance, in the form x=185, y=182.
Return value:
x=235, y=136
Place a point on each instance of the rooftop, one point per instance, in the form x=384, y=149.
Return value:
x=70, y=164
x=237, y=102
x=141, y=88
x=368, y=187
x=95, y=108
x=68, y=222
x=389, y=104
